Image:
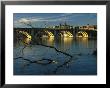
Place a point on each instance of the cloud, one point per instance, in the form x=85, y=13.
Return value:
x=24, y=20
x=62, y=17
x=73, y=17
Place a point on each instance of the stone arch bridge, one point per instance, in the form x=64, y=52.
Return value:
x=47, y=32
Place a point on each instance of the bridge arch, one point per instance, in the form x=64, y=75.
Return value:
x=25, y=36
x=65, y=34
x=50, y=34
x=82, y=34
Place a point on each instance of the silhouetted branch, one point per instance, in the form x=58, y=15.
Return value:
x=41, y=61
x=23, y=50
x=56, y=50
x=18, y=57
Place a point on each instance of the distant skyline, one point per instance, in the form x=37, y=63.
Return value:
x=53, y=19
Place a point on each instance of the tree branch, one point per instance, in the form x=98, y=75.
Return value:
x=41, y=61
x=57, y=50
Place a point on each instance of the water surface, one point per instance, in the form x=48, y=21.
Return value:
x=83, y=61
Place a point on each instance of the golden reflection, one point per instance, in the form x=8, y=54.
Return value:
x=66, y=43
x=51, y=40
x=83, y=41
x=67, y=40
x=48, y=41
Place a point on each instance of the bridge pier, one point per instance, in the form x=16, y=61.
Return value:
x=32, y=33
x=55, y=33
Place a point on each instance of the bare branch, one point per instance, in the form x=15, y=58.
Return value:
x=56, y=50
x=40, y=61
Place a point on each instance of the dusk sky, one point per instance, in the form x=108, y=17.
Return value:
x=53, y=19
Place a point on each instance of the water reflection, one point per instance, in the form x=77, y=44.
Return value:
x=65, y=43
x=48, y=41
x=82, y=42
x=85, y=64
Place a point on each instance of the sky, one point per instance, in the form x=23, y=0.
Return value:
x=52, y=19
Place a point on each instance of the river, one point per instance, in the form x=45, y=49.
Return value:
x=82, y=62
